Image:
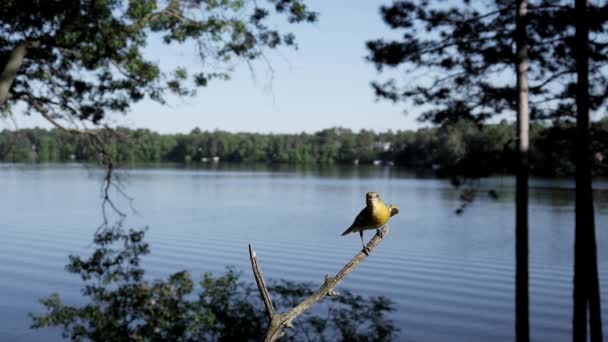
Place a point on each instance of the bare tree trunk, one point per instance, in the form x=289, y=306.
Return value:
x=586, y=283
x=522, y=321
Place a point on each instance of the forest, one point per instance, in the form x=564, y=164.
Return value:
x=461, y=147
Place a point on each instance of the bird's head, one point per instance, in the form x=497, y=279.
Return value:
x=371, y=198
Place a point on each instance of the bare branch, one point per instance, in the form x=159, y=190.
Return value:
x=551, y=79
x=278, y=322
x=97, y=142
x=37, y=103
x=259, y=279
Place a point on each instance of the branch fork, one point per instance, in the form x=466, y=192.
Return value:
x=279, y=321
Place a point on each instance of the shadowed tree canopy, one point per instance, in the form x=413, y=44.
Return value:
x=456, y=58
x=80, y=60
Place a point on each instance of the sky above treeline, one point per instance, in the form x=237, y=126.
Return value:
x=325, y=83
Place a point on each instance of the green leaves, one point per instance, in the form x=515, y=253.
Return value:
x=123, y=306
x=101, y=43
x=140, y=9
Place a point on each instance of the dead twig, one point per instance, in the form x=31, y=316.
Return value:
x=277, y=321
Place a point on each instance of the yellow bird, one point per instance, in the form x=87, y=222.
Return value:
x=375, y=215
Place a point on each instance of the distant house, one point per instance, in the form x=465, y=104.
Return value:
x=215, y=159
x=382, y=145
x=377, y=162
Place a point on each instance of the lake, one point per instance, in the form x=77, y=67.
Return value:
x=450, y=276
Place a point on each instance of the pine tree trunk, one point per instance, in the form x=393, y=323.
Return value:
x=522, y=321
x=586, y=283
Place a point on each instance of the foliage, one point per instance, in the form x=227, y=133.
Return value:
x=457, y=59
x=123, y=306
x=80, y=60
x=461, y=148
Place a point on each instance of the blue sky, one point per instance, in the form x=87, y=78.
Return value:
x=324, y=83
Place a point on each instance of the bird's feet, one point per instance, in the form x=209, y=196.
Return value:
x=380, y=233
x=366, y=250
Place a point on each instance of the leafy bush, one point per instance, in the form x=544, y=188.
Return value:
x=124, y=306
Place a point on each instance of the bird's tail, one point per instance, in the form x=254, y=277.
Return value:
x=349, y=230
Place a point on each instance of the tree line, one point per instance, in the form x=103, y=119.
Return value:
x=462, y=147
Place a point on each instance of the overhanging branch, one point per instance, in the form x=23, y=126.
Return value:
x=106, y=158
x=37, y=103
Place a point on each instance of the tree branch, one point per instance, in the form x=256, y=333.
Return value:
x=14, y=63
x=36, y=103
x=278, y=322
x=551, y=79
x=259, y=279
x=169, y=9
x=106, y=158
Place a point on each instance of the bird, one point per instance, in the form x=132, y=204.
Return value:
x=375, y=215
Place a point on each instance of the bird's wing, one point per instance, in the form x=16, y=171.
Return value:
x=362, y=220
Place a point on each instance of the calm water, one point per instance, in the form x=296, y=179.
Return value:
x=450, y=276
